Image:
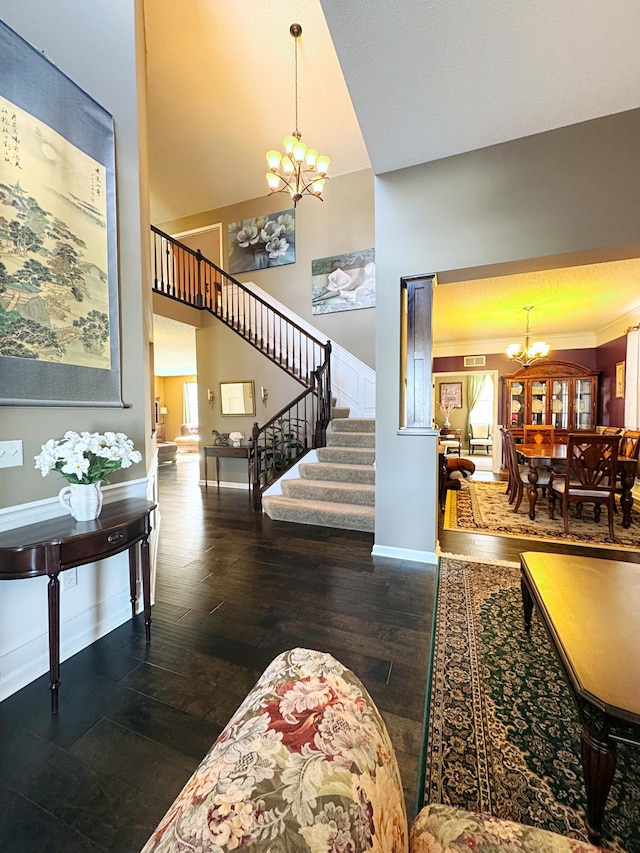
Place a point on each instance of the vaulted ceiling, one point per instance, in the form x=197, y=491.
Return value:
x=428, y=79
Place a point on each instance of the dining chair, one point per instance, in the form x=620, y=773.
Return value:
x=539, y=434
x=507, y=462
x=592, y=467
x=519, y=474
x=630, y=443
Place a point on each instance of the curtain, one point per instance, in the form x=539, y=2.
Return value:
x=475, y=384
x=632, y=380
x=189, y=403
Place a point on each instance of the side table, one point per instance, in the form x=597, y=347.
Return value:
x=61, y=543
x=245, y=451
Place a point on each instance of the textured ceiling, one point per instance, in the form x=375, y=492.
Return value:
x=573, y=307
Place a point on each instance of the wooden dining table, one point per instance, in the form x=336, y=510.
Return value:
x=536, y=455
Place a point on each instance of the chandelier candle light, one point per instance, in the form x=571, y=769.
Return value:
x=526, y=353
x=300, y=170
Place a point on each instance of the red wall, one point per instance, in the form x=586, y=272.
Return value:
x=607, y=356
x=603, y=358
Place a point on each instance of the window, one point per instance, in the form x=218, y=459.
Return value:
x=482, y=412
x=190, y=402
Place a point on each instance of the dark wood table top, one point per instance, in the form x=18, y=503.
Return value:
x=591, y=607
x=557, y=453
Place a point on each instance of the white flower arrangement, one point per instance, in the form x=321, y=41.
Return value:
x=87, y=457
x=236, y=436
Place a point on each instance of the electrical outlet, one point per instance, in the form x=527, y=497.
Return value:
x=10, y=454
x=69, y=579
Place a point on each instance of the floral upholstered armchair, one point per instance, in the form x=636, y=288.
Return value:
x=305, y=765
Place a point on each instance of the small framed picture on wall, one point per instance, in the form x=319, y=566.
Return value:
x=451, y=394
x=620, y=379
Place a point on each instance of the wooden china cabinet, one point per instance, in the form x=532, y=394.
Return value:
x=559, y=393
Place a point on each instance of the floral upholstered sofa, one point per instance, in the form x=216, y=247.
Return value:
x=305, y=765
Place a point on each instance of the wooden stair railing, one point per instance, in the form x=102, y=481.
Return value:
x=295, y=429
x=188, y=277
x=185, y=275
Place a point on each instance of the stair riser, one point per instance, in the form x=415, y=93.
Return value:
x=339, y=412
x=351, y=439
x=346, y=456
x=353, y=424
x=322, y=518
x=342, y=474
x=308, y=490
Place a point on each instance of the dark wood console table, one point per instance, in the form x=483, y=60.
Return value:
x=245, y=451
x=591, y=611
x=49, y=547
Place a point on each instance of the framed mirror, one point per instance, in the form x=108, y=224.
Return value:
x=238, y=398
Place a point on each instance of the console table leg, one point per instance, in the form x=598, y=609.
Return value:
x=132, y=580
x=53, y=595
x=146, y=587
x=599, y=764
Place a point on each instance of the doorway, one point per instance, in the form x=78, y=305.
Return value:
x=479, y=405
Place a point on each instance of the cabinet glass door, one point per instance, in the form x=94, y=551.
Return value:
x=538, y=402
x=516, y=404
x=584, y=404
x=560, y=404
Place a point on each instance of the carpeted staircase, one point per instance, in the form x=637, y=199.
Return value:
x=338, y=490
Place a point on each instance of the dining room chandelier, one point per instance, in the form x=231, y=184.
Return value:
x=527, y=353
x=300, y=170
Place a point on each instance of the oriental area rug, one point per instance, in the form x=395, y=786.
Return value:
x=503, y=734
x=484, y=508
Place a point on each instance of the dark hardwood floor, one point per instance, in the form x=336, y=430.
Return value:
x=233, y=590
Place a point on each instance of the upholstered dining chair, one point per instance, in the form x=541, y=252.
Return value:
x=480, y=436
x=592, y=467
x=519, y=475
x=539, y=434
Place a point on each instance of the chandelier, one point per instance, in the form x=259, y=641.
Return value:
x=526, y=353
x=300, y=170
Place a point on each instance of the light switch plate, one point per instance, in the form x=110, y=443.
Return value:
x=11, y=454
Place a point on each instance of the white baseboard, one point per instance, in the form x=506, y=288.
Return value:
x=406, y=554
x=31, y=660
x=224, y=484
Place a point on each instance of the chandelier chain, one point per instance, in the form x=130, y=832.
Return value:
x=295, y=48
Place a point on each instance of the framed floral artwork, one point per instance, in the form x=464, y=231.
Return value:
x=343, y=282
x=262, y=242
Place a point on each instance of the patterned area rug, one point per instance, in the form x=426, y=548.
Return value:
x=504, y=734
x=484, y=508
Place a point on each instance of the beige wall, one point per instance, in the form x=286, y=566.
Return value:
x=343, y=222
x=570, y=190
x=95, y=44
x=223, y=356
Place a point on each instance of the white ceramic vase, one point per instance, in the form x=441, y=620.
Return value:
x=84, y=502
x=236, y=442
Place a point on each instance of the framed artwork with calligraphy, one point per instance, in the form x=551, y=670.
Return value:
x=59, y=323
